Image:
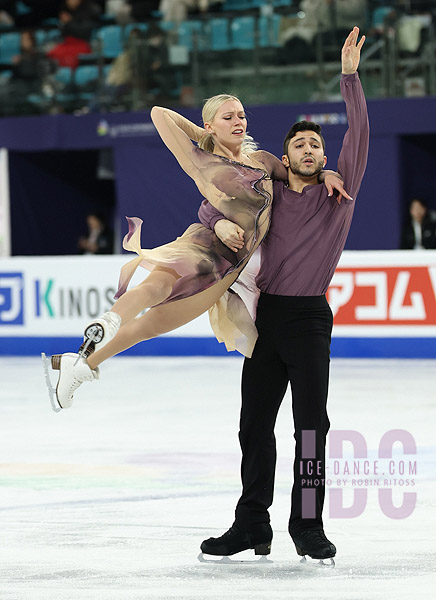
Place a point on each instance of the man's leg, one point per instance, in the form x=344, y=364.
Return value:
x=264, y=383
x=305, y=348
x=309, y=376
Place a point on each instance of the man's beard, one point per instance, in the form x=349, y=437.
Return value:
x=315, y=170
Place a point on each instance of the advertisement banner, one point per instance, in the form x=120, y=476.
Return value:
x=384, y=294
x=58, y=296
x=382, y=302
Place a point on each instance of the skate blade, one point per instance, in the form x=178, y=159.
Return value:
x=51, y=391
x=226, y=560
x=320, y=564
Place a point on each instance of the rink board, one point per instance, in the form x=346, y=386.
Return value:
x=384, y=305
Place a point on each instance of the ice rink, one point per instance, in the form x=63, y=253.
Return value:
x=112, y=498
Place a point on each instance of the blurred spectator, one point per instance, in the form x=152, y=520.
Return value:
x=142, y=72
x=7, y=12
x=38, y=10
x=419, y=231
x=416, y=6
x=152, y=64
x=175, y=10
x=415, y=19
x=77, y=19
x=121, y=76
x=329, y=18
x=28, y=70
x=136, y=10
x=206, y=6
x=100, y=237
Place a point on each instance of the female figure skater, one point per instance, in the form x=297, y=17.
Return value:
x=191, y=274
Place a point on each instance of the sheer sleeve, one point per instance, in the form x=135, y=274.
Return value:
x=176, y=133
x=276, y=169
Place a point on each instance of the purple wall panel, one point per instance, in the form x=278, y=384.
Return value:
x=151, y=185
x=154, y=187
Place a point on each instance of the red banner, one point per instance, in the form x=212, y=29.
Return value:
x=390, y=295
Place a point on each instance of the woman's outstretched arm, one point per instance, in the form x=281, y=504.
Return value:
x=176, y=133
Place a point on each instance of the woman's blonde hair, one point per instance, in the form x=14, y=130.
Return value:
x=208, y=114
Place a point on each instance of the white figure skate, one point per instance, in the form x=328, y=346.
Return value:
x=73, y=371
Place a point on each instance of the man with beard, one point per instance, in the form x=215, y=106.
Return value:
x=298, y=258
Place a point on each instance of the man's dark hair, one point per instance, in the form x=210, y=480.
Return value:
x=302, y=126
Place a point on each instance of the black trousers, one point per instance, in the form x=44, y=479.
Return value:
x=293, y=346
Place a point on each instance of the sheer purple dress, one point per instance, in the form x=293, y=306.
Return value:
x=243, y=193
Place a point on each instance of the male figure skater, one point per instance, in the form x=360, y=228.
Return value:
x=294, y=321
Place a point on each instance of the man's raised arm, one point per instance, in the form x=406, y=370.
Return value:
x=354, y=154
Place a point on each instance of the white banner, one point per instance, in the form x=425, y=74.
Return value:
x=58, y=296
x=372, y=294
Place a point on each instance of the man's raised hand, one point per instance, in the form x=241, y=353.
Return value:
x=351, y=52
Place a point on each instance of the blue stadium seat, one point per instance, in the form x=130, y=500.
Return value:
x=128, y=28
x=112, y=40
x=187, y=30
x=238, y=5
x=273, y=3
x=51, y=22
x=64, y=75
x=40, y=37
x=54, y=35
x=45, y=36
x=378, y=16
x=282, y=3
x=243, y=33
x=218, y=30
x=5, y=75
x=166, y=25
x=86, y=74
x=9, y=47
x=22, y=9
x=269, y=28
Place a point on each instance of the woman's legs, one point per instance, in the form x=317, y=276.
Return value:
x=161, y=319
x=153, y=290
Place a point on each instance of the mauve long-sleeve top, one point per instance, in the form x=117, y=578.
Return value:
x=308, y=230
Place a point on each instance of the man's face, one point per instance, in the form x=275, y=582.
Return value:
x=305, y=154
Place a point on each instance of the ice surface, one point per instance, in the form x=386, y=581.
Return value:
x=112, y=498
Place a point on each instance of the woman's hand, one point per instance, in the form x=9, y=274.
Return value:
x=333, y=181
x=230, y=234
x=194, y=132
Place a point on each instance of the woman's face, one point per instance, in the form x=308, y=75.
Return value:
x=229, y=124
x=417, y=211
x=73, y=4
x=93, y=222
x=26, y=41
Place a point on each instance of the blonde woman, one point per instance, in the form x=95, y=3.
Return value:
x=193, y=273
